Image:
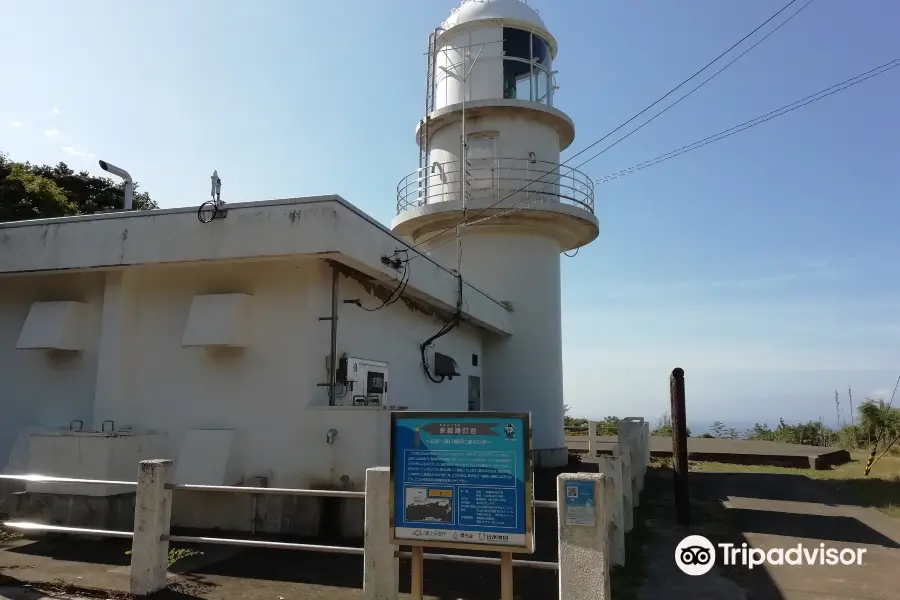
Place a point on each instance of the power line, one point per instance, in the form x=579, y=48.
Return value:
x=778, y=112
x=722, y=134
x=707, y=80
x=666, y=95
x=395, y=294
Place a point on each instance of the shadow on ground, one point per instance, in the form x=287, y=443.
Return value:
x=862, y=491
x=25, y=590
x=875, y=493
x=62, y=547
x=661, y=576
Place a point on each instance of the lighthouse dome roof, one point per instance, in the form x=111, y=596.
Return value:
x=480, y=10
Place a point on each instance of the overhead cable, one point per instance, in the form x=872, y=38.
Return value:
x=660, y=99
x=778, y=112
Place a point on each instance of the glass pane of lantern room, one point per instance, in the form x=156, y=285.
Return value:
x=482, y=166
x=542, y=85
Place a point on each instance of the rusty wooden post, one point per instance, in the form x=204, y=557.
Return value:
x=679, y=446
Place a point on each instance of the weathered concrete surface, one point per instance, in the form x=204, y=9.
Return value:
x=381, y=572
x=584, y=562
x=25, y=593
x=733, y=451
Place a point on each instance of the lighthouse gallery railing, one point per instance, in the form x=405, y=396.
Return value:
x=519, y=182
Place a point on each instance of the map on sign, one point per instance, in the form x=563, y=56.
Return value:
x=462, y=480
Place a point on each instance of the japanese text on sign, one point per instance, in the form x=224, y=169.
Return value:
x=462, y=480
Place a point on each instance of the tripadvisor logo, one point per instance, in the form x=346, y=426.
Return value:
x=696, y=555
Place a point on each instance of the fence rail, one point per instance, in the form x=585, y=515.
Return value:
x=28, y=526
x=482, y=560
x=266, y=490
x=506, y=181
x=151, y=536
x=51, y=479
x=190, y=539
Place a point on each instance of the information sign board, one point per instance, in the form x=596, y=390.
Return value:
x=462, y=480
x=580, y=504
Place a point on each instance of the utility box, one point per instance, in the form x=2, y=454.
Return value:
x=367, y=381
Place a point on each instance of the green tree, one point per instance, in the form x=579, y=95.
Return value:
x=608, y=426
x=25, y=195
x=40, y=191
x=718, y=429
x=760, y=432
x=664, y=426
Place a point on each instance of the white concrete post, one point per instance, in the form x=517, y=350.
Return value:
x=152, y=515
x=592, y=439
x=623, y=453
x=381, y=569
x=611, y=467
x=630, y=431
x=583, y=538
x=646, y=446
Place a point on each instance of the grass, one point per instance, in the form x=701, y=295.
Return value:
x=6, y=535
x=176, y=554
x=881, y=489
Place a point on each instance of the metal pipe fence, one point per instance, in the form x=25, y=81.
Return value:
x=30, y=526
x=482, y=560
x=50, y=479
x=190, y=539
x=614, y=491
x=151, y=532
x=266, y=490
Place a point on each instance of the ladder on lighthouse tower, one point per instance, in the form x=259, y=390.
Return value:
x=429, y=108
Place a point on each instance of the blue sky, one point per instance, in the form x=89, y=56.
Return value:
x=764, y=265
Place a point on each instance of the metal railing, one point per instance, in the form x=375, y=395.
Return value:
x=352, y=550
x=509, y=182
x=482, y=560
x=26, y=525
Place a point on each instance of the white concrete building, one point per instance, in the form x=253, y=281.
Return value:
x=153, y=334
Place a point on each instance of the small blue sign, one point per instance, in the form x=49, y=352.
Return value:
x=580, y=503
x=462, y=480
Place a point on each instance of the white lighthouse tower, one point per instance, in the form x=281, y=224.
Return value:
x=491, y=199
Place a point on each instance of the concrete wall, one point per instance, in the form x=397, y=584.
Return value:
x=522, y=372
x=393, y=335
x=45, y=387
x=266, y=392
x=517, y=135
x=262, y=391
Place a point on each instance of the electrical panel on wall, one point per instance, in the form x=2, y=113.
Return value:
x=367, y=381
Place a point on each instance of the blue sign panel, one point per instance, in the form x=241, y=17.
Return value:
x=580, y=504
x=462, y=480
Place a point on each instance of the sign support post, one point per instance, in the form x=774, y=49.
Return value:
x=417, y=591
x=506, y=576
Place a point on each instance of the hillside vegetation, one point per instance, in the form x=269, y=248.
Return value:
x=876, y=421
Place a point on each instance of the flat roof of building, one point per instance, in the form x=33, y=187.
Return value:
x=326, y=227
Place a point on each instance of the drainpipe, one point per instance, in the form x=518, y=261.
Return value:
x=129, y=183
x=331, y=384
x=332, y=364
